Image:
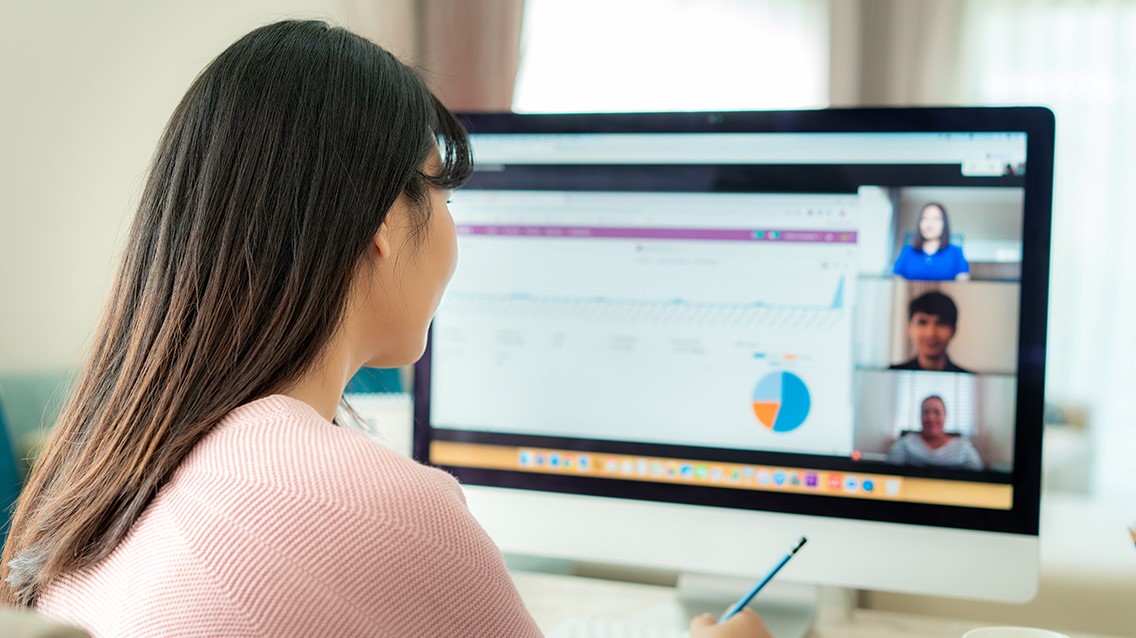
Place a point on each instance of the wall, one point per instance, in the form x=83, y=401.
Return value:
x=978, y=216
x=87, y=90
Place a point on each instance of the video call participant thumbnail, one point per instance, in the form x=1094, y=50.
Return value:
x=932, y=446
x=931, y=255
x=931, y=321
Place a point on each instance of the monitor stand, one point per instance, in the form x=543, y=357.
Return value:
x=789, y=610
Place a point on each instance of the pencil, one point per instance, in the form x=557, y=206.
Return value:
x=744, y=600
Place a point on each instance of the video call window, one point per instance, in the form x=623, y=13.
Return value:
x=935, y=419
x=956, y=234
x=937, y=327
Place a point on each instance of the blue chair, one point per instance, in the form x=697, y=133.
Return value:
x=9, y=477
x=375, y=380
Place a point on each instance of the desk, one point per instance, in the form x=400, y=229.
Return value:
x=553, y=599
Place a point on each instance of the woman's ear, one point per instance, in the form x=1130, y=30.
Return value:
x=381, y=240
x=390, y=231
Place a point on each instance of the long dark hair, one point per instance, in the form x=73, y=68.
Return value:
x=269, y=183
x=944, y=239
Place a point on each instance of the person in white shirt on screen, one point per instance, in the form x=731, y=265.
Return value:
x=931, y=446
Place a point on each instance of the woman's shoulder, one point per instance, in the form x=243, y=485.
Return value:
x=284, y=522
x=954, y=251
x=274, y=476
x=902, y=261
x=910, y=439
x=282, y=446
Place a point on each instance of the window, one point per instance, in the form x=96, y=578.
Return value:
x=672, y=55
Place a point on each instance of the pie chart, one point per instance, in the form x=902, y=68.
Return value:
x=781, y=401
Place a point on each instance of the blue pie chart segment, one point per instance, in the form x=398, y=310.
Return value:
x=781, y=401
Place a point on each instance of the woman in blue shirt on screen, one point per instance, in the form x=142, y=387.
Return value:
x=932, y=257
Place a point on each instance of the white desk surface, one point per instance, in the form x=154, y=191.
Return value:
x=553, y=599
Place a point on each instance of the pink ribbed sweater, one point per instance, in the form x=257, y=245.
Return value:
x=281, y=524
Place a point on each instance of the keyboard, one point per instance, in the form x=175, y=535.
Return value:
x=582, y=628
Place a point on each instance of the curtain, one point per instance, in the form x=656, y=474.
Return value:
x=1077, y=58
x=470, y=50
x=893, y=52
x=467, y=50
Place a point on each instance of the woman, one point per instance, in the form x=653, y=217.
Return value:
x=932, y=257
x=932, y=446
x=293, y=229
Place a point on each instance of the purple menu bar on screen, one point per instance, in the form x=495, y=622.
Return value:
x=699, y=234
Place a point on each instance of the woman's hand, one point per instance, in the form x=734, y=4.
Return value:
x=744, y=624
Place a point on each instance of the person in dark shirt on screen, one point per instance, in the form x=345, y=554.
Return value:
x=931, y=322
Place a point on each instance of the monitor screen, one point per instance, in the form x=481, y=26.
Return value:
x=834, y=314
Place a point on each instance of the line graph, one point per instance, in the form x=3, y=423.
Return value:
x=673, y=311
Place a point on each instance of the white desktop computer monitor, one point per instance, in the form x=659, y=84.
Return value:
x=684, y=340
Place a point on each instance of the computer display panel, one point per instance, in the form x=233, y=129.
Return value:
x=732, y=311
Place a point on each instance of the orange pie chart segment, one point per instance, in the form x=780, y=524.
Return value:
x=766, y=412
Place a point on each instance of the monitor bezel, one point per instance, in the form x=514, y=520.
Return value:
x=1037, y=123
